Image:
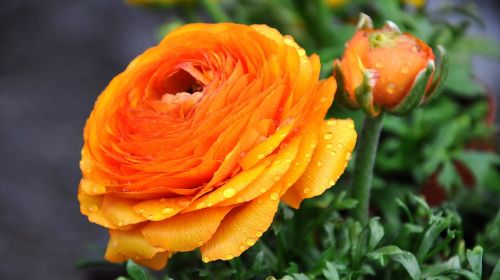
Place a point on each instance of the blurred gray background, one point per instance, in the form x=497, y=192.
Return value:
x=55, y=58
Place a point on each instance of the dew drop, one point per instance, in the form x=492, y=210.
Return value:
x=306, y=190
x=319, y=163
x=329, y=146
x=258, y=233
x=331, y=122
x=274, y=196
x=250, y=242
x=200, y=205
x=228, y=257
x=200, y=243
x=241, y=248
x=167, y=210
x=328, y=136
x=331, y=182
x=333, y=154
x=351, y=125
x=260, y=156
x=379, y=64
x=276, y=178
x=262, y=190
x=405, y=69
x=93, y=208
x=120, y=223
x=205, y=259
x=288, y=160
x=229, y=192
x=323, y=99
x=348, y=156
x=390, y=88
x=307, y=155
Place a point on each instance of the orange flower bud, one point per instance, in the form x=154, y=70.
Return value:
x=195, y=144
x=383, y=66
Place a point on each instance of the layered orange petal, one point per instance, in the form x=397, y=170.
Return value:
x=185, y=232
x=336, y=142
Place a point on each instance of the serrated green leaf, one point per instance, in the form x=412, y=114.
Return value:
x=135, y=271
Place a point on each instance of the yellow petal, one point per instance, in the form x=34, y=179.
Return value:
x=336, y=141
x=91, y=206
x=119, y=211
x=306, y=149
x=158, y=262
x=265, y=147
x=185, y=232
x=272, y=176
x=130, y=244
x=160, y=209
x=229, y=189
x=242, y=227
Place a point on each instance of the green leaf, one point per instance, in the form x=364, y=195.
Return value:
x=437, y=225
x=300, y=276
x=380, y=253
x=409, y=262
x=448, y=175
x=475, y=258
x=376, y=233
x=495, y=275
x=441, y=268
x=479, y=45
x=330, y=272
x=135, y=271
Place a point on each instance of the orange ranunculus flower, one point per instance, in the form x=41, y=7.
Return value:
x=197, y=141
x=390, y=60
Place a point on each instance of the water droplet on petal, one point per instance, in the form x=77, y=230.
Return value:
x=258, y=233
x=332, y=182
x=167, y=210
x=274, y=196
x=229, y=192
x=306, y=190
x=329, y=146
x=260, y=156
x=228, y=257
x=405, y=69
x=250, y=242
x=93, y=208
x=319, y=163
x=328, y=136
x=200, y=243
x=390, y=88
x=276, y=178
x=379, y=64
x=241, y=248
x=205, y=259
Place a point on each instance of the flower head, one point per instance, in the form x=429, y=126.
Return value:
x=380, y=68
x=197, y=141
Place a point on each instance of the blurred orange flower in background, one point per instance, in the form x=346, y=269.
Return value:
x=197, y=141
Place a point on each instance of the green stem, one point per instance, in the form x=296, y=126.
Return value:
x=215, y=11
x=363, y=167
